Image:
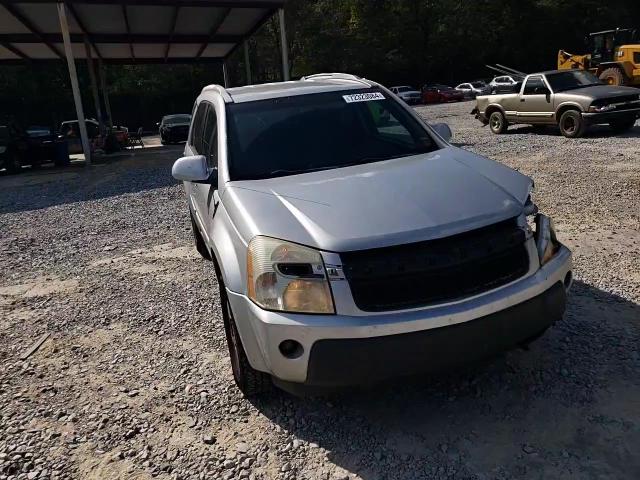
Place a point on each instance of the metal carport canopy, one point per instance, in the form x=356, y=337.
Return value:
x=131, y=31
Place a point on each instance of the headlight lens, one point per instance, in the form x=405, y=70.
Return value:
x=600, y=109
x=287, y=277
x=546, y=240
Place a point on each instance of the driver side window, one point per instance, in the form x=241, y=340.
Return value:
x=535, y=86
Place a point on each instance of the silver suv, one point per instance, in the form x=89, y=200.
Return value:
x=352, y=243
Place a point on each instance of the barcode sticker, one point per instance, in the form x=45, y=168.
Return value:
x=363, y=97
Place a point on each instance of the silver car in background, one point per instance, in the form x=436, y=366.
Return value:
x=408, y=94
x=352, y=243
x=473, y=89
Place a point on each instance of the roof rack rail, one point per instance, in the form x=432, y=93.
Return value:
x=339, y=76
x=221, y=90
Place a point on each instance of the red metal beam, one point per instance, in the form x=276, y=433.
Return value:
x=28, y=25
x=15, y=51
x=80, y=23
x=119, y=38
x=174, y=20
x=173, y=3
x=212, y=32
x=126, y=23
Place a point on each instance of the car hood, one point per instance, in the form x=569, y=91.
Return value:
x=602, y=91
x=379, y=204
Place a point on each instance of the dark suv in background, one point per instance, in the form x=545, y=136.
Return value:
x=174, y=128
x=33, y=147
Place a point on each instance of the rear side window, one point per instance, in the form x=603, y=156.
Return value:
x=196, y=130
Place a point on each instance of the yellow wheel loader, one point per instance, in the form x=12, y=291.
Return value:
x=613, y=55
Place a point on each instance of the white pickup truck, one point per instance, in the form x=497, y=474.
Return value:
x=570, y=99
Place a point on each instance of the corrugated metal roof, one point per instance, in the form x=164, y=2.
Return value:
x=131, y=31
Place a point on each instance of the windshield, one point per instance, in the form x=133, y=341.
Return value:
x=173, y=119
x=478, y=84
x=571, y=79
x=404, y=89
x=305, y=133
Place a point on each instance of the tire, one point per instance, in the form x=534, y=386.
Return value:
x=498, y=122
x=201, y=246
x=571, y=124
x=12, y=163
x=62, y=163
x=621, y=126
x=250, y=381
x=613, y=76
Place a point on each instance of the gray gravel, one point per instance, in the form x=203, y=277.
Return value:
x=134, y=381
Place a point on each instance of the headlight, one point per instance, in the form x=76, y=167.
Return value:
x=287, y=277
x=546, y=241
x=604, y=108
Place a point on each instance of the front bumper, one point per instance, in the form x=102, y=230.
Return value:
x=608, y=117
x=377, y=346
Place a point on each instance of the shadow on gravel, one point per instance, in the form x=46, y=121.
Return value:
x=567, y=408
x=597, y=131
x=130, y=173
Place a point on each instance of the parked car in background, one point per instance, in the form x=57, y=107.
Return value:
x=38, y=131
x=408, y=94
x=20, y=147
x=174, y=128
x=438, y=93
x=70, y=131
x=473, y=89
x=570, y=99
x=352, y=246
x=504, y=83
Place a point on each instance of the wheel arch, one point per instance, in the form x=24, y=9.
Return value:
x=494, y=108
x=566, y=106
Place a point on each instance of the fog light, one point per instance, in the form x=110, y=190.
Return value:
x=291, y=349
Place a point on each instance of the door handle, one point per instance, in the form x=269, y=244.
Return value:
x=522, y=100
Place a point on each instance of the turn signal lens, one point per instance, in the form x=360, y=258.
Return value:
x=546, y=241
x=307, y=296
x=287, y=277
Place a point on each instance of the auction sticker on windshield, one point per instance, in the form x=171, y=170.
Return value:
x=363, y=97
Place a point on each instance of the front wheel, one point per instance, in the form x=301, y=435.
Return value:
x=613, y=76
x=13, y=163
x=201, y=246
x=571, y=124
x=498, y=122
x=250, y=381
x=621, y=126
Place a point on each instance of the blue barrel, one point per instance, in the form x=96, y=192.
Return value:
x=61, y=152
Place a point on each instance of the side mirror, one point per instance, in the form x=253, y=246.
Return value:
x=191, y=169
x=443, y=130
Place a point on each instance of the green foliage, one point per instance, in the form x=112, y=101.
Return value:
x=394, y=42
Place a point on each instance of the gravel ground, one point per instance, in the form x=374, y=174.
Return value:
x=134, y=381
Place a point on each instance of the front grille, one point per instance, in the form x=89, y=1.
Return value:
x=424, y=273
x=625, y=102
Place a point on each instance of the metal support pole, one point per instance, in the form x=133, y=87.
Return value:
x=225, y=74
x=64, y=27
x=247, y=63
x=94, y=85
x=105, y=94
x=284, y=46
